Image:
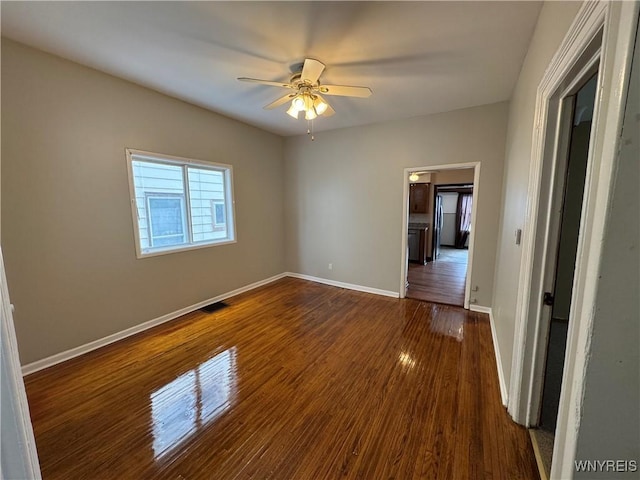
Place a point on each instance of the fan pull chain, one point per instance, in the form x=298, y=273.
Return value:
x=310, y=129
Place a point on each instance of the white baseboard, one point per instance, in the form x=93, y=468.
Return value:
x=349, y=286
x=101, y=342
x=480, y=308
x=496, y=347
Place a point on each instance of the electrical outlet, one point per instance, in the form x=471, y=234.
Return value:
x=331, y=266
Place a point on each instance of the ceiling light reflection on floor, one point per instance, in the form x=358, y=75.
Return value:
x=406, y=360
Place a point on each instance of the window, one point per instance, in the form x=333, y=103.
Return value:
x=166, y=220
x=178, y=203
x=219, y=222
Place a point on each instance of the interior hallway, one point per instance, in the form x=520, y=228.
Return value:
x=440, y=281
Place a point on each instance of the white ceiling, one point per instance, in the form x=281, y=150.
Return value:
x=418, y=57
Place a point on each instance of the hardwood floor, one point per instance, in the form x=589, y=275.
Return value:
x=294, y=380
x=440, y=281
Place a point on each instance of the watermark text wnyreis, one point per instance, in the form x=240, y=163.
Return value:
x=619, y=466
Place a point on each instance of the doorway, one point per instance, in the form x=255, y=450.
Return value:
x=577, y=114
x=439, y=234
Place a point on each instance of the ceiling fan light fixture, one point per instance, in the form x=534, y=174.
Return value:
x=293, y=110
x=319, y=106
x=312, y=106
x=306, y=91
x=308, y=101
x=298, y=103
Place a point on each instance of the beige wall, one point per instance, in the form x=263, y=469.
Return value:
x=553, y=23
x=444, y=177
x=344, y=193
x=67, y=232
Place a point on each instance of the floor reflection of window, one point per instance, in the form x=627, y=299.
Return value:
x=192, y=400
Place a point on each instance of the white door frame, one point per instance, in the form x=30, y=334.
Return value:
x=617, y=22
x=405, y=221
x=20, y=450
x=552, y=205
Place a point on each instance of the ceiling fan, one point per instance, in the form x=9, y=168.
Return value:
x=307, y=91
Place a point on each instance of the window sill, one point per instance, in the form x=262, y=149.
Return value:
x=141, y=255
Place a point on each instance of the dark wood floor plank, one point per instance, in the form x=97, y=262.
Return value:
x=440, y=281
x=294, y=380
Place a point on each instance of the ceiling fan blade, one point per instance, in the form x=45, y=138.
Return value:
x=345, y=90
x=280, y=101
x=311, y=70
x=265, y=82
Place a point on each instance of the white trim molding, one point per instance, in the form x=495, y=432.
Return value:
x=496, y=348
x=480, y=309
x=101, y=342
x=348, y=286
x=20, y=447
x=616, y=22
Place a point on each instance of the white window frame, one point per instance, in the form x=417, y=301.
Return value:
x=225, y=169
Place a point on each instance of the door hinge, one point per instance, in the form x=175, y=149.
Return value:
x=547, y=299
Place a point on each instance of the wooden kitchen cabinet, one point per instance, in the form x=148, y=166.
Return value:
x=418, y=198
x=414, y=244
x=417, y=243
